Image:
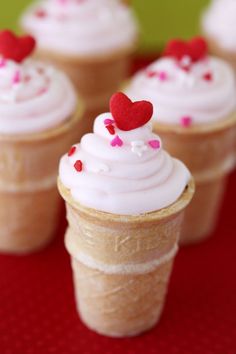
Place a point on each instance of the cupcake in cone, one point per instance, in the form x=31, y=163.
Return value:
x=125, y=198
x=195, y=115
x=219, y=27
x=91, y=40
x=37, y=122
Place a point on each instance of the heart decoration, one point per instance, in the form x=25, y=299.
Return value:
x=129, y=115
x=196, y=49
x=15, y=48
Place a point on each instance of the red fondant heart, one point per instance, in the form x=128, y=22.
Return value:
x=196, y=49
x=15, y=48
x=129, y=115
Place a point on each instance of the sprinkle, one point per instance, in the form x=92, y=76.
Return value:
x=152, y=73
x=186, y=121
x=208, y=76
x=3, y=62
x=108, y=121
x=138, y=147
x=116, y=141
x=78, y=165
x=40, y=13
x=100, y=168
x=162, y=76
x=72, y=151
x=155, y=144
x=17, y=77
x=111, y=129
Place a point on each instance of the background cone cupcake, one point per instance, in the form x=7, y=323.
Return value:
x=218, y=25
x=125, y=200
x=92, y=41
x=37, y=122
x=195, y=115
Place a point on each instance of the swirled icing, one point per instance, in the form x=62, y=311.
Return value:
x=33, y=97
x=81, y=27
x=131, y=179
x=204, y=93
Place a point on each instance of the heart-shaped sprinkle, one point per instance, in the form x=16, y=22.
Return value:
x=108, y=121
x=72, y=151
x=117, y=141
x=186, y=121
x=162, y=76
x=15, y=48
x=111, y=129
x=196, y=49
x=129, y=115
x=78, y=165
x=208, y=76
x=155, y=144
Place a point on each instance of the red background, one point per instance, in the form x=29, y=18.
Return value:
x=37, y=310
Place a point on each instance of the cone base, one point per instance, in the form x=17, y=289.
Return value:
x=120, y=305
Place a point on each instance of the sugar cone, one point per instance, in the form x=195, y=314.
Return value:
x=122, y=264
x=29, y=201
x=208, y=151
x=95, y=78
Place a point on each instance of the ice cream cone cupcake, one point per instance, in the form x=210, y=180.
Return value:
x=37, y=122
x=92, y=41
x=219, y=27
x=125, y=199
x=195, y=115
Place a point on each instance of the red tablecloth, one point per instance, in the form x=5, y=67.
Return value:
x=37, y=309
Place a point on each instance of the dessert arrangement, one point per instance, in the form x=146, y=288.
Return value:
x=194, y=102
x=127, y=176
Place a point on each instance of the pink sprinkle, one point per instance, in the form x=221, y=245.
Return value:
x=3, y=62
x=162, y=76
x=108, y=121
x=186, y=121
x=62, y=2
x=116, y=141
x=155, y=144
x=17, y=77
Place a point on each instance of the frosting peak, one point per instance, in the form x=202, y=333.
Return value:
x=81, y=27
x=122, y=171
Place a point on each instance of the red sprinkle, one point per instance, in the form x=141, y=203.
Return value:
x=208, y=76
x=78, y=165
x=40, y=13
x=152, y=73
x=111, y=129
x=72, y=150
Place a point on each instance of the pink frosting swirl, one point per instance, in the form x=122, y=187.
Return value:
x=126, y=173
x=33, y=97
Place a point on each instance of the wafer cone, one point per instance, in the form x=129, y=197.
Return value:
x=29, y=201
x=208, y=151
x=95, y=78
x=122, y=264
